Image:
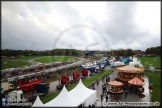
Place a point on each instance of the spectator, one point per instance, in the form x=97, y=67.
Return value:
x=104, y=89
x=90, y=106
x=93, y=87
x=93, y=105
x=101, y=97
x=106, y=81
x=97, y=82
x=106, y=98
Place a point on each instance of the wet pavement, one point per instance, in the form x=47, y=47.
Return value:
x=130, y=97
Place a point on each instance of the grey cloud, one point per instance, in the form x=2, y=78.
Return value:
x=119, y=28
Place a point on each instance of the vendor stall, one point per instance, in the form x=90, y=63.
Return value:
x=115, y=87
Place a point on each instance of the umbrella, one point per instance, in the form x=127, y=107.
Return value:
x=115, y=83
x=136, y=81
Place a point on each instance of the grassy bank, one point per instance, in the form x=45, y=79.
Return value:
x=155, y=77
x=23, y=61
x=151, y=61
x=55, y=58
x=13, y=64
x=86, y=82
x=26, y=58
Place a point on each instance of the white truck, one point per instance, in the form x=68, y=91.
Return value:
x=16, y=97
x=6, y=87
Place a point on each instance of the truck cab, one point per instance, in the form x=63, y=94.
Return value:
x=16, y=97
x=42, y=89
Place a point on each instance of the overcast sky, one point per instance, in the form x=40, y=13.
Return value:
x=80, y=25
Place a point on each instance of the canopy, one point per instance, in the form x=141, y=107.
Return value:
x=38, y=103
x=64, y=99
x=130, y=69
x=84, y=93
x=136, y=81
x=119, y=63
x=115, y=83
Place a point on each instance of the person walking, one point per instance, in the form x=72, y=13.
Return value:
x=102, y=89
x=106, y=98
x=93, y=106
x=90, y=106
x=101, y=97
x=105, y=90
x=97, y=82
x=106, y=81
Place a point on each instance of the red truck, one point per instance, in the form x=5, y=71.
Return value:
x=76, y=77
x=85, y=72
x=64, y=81
x=30, y=85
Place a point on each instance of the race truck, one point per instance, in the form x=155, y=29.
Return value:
x=64, y=81
x=84, y=73
x=76, y=77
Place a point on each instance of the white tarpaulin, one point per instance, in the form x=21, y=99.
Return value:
x=64, y=99
x=38, y=103
x=85, y=93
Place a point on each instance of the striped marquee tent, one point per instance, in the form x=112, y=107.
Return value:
x=115, y=83
x=136, y=81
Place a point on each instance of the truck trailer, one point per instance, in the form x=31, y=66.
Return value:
x=27, y=86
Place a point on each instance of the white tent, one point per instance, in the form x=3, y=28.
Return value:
x=83, y=92
x=38, y=103
x=119, y=63
x=64, y=99
x=135, y=62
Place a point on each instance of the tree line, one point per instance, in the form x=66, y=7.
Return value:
x=154, y=50
x=75, y=52
x=67, y=52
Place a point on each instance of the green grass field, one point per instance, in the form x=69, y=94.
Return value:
x=13, y=64
x=23, y=61
x=86, y=82
x=155, y=77
x=27, y=58
x=55, y=58
x=148, y=61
